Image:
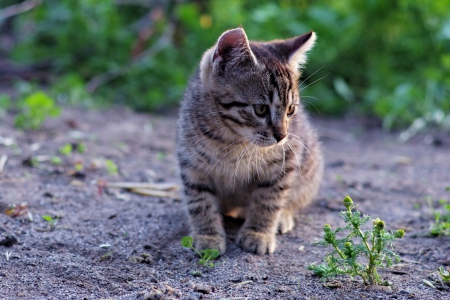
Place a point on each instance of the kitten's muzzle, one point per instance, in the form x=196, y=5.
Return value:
x=279, y=134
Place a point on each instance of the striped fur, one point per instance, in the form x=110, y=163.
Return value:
x=245, y=146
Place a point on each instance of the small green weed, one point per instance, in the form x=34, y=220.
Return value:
x=51, y=221
x=56, y=160
x=66, y=149
x=373, y=246
x=35, y=109
x=79, y=167
x=206, y=256
x=111, y=167
x=441, y=225
x=81, y=147
x=105, y=256
x=445, y=275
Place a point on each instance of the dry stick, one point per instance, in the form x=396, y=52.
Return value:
x=164, y=40
x=155, y=193
x=143, y=185
x=3, y=160
x=18, y=8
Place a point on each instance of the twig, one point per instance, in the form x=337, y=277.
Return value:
x=143, y=185
x=3, y=160
x=163, y=41
x=242, y=283
x=19, y=8
x=155, y=193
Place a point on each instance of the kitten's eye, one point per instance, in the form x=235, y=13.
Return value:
x=291, y=110
x=261, y=110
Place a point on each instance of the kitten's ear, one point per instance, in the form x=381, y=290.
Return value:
x=295, y=49
x=233, y=49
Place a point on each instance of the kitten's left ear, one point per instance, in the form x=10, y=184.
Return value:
x=295, y=49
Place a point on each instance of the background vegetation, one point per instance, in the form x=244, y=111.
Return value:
x=389, y=59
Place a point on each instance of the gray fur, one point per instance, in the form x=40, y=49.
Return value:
x=235, y=162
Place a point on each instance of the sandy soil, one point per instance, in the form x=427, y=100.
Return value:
x=119, y=245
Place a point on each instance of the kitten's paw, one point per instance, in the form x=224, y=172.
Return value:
x=202, y=242
x=257, y=242
x=285, y=222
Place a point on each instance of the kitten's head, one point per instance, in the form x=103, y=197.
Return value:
x=254, y=85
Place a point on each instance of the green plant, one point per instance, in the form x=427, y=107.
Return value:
x=357, y=259
x=445, y=275
x=56, y=160
x=81, y=147
x=441, y=225
x=105, y=256
x=51, y=221
x=35, y=109
x=66, y=149
x=206, y=256
x=111, y=167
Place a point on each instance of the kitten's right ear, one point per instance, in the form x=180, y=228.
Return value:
x=233, y=49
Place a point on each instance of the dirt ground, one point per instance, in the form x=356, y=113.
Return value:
x=114, y=244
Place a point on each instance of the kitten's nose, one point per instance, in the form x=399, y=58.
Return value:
x=279, y=135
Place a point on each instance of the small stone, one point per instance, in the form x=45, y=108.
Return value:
x=148, y=260
x=136, y=259
x=154, y=280
x=154, y=295
x=204, y=289
x=381, y=288
x=195, y=296
x=281, y=289
x=190, y=285
x=404, y=292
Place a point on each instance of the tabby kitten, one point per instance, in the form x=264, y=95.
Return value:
x=245, y=146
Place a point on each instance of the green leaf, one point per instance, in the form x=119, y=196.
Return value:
x=187, y=241
x=210, y=254
x=81, y=147
x=66, y=149
x=47, y=218
x=111, y=167
x=56, y=160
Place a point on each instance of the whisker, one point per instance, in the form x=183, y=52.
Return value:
x=314, y=81
x=240, y=141
x=249, y=161
x=289, y=144
x=240, y=159
x=297, y=139
x=310, y=103
x=313, y=73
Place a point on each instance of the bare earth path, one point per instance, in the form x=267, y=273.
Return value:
x=141, y=257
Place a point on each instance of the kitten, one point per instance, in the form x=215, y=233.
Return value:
x=245, y=146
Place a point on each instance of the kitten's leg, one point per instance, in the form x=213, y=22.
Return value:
x=286, y=220
x=205, y=216
x=258, y=233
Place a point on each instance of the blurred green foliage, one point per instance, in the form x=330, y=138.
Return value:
x=35, y=109
x=377, y=57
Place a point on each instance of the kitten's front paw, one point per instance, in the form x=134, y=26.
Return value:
x=202, y=242
x=257, y=242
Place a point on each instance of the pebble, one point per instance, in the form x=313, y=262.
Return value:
x=381, y=288
x=195, y=296
x=204, y=289
x=154, y=295
x=404, y=292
